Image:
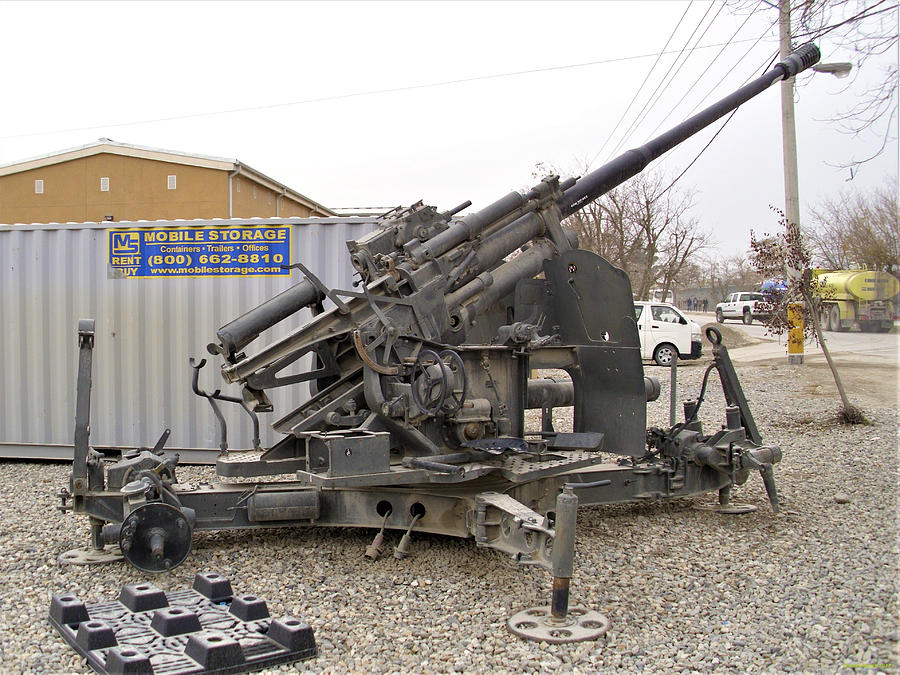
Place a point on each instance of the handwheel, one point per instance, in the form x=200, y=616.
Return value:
x=455, y=397
x=429, y=390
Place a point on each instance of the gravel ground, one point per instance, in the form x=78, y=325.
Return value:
x=813, y=589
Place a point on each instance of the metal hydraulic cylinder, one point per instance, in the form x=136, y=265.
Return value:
x=563, y=556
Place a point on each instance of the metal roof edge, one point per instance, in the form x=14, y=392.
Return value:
x=271, y=183
x=192, y=222
x=105, y=145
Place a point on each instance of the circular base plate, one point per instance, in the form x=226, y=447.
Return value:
x=537, y=623
x=731, y=509
x=91, y=556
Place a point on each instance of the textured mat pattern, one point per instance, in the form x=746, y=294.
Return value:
x=200, y=630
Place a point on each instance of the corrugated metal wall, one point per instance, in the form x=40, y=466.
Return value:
x=53, y=275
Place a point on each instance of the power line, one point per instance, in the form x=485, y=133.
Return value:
x=864, y=14
x=637, y=93
x=659, y=95
x=703, y=149
x=731, y=70
x=638, y=120
x=714, y=87
x=337, y=97
x=706, y=70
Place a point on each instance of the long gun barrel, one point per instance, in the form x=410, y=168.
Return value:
x=632, y=162
x=470, y=251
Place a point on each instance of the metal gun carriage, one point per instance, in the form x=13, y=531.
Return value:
x=419, y=382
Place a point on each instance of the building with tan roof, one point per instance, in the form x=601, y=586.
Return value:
x=114, y=181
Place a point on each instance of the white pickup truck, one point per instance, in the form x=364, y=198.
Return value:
x=744, y=306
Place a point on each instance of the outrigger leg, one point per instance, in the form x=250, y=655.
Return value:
x=558, y=622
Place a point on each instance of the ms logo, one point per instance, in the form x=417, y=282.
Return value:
x=124, y=243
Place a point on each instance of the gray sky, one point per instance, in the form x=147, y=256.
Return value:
x=77, y=71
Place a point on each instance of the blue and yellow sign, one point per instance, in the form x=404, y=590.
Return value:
x=200, y=251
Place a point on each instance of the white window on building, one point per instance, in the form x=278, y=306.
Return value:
x=170, y=181
x=254, y=192
x=104, y=184
x=38, y=187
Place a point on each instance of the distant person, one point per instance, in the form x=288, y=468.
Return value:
x=705, y=304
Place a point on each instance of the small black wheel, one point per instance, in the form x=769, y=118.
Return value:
x=748, y=317
x=429, y=390
x=665, y=354
x=156, y=537
x=719, y=316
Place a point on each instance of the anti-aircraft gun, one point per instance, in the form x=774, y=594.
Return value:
x=420, y=380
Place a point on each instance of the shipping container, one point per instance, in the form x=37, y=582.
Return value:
x=146, y=330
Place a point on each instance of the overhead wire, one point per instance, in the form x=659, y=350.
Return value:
x=703, y=149
x=709, y=93
x=702, y=101
x=715, y=58
x=358, y=94
x=640, y=88
x=731, y=41
x=732, y=69
x=864, y=14
x=638, y=120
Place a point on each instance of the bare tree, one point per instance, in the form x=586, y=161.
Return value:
x=785, y=255
x=858, y=229
x=649, y=234
x=720, y=274
x=863, y=29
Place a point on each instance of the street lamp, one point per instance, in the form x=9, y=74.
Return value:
x=839, y=70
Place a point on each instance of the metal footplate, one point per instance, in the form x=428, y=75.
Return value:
x=91, y=556
x=249, y=464
x=731, y=509
x=519, y=470
x=205, y=629
x=539, y=624
x=725, y=506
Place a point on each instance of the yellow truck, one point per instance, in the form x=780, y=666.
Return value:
x=867, y=297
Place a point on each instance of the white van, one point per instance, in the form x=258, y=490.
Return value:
x=665, y=332
x=656, y=295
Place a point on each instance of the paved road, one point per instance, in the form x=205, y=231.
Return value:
x=870, y=348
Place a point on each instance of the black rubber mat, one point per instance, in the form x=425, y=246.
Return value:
x=205, y=629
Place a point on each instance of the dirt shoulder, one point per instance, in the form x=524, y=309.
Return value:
x=869, y=381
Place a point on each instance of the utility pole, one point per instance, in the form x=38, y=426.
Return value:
x=788, y=127
x=791, y=185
